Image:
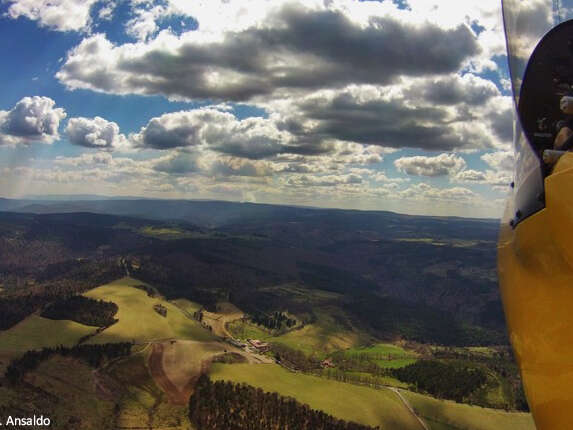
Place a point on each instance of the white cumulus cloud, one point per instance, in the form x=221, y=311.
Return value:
x=95, y=133
x=440, y=165
x=61, y=15
x=32, y=119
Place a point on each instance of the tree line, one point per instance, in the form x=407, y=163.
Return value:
x=93, y=355
x=224, y=405
x=84, y=310
x=274, y=321
x=448, y=380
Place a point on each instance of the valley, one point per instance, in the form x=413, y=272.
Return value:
x=351, y=315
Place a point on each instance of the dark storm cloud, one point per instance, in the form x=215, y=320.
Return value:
x=378, y=122
x=455, y=90
x=299, y=48
x=502, y=123
x=377, y=53
x=169, y=131
x=255, y=148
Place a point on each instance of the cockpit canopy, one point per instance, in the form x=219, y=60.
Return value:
x=539, y=36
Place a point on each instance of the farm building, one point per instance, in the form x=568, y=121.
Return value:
x=258, y=345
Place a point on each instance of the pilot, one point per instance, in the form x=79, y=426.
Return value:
x=564, y=139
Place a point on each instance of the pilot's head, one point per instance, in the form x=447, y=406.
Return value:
x=566, y=104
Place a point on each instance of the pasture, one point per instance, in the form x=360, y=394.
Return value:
x=324, y=336
x=385, y=355
x=371, y=406
x=448, y=414
x=36, y=332
x=137, y=319
x=350, y=402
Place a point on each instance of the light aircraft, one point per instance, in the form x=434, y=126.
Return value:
x=535, y=250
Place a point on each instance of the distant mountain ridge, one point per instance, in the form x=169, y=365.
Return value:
x=405, y=265
x=218, y=214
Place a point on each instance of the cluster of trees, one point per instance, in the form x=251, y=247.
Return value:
x=97, y=313
x=160, y=309
x=503, y=364
x=274, y=321
x=449, y=380
x=294, y=358
x=224, y=405
x=94, y=355
x=59, y=280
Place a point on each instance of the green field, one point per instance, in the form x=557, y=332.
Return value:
x=242, y=330
x=138, y=321
x=371, y=406
x=319, y=339
x=385, y=355
x=322, y=337
x=387, y=349
x=327, y=327
x=447, y=414
x=187, y=305
x=350, y=402
x=395, y=364
x=36, y=332
x=474, y=351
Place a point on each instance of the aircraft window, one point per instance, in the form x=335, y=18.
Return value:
x=545, y=103
x=539, y=39
x=525, y=24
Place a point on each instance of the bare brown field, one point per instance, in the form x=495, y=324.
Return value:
x=175, y=365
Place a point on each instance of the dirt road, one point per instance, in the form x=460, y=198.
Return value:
x=410, y=408
x=226, y=313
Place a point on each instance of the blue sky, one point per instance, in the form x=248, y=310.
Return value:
x=354, y=104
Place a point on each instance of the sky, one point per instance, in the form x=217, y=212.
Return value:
x=378, y=105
